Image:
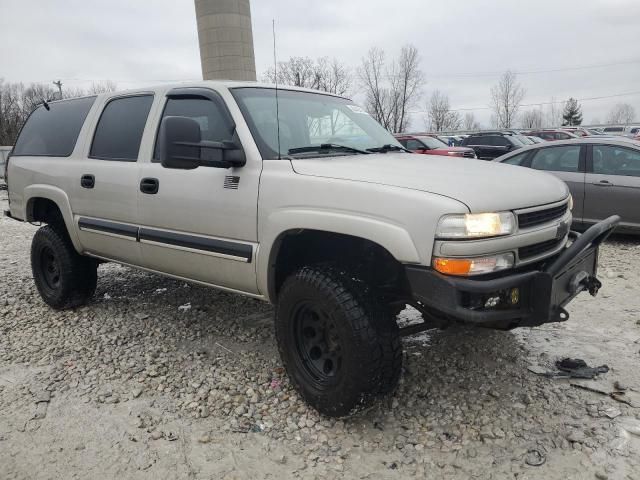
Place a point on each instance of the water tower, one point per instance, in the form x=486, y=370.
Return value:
x=226, y=39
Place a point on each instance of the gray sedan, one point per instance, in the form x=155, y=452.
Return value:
x=603, y=175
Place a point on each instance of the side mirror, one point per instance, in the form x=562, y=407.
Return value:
x=181, y=144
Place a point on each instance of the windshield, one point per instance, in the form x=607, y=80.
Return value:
x=432, y=142
x=516, y=140
x=524, y=140
x=307, y=120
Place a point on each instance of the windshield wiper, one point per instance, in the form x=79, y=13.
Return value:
x=325, y=147
x=387, y=148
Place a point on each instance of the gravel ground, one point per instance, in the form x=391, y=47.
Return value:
x=159, y=379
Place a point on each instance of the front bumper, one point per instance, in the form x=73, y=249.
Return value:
x=525, y=298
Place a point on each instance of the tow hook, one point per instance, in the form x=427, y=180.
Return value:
x=583, y=281
x=593, y=285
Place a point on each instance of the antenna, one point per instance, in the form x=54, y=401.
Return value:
x=59, y=85
x=275, y=74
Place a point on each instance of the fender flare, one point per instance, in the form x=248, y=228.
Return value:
x=393, y=238
x=60, y=198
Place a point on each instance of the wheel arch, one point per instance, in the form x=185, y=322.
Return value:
x=295, y=247
x=46, y=204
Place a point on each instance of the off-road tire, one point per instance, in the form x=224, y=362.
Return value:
x=63, y=278
x=370, y=361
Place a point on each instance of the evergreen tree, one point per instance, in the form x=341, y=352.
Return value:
x=572, y=115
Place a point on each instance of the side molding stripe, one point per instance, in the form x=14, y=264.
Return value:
x=222, y=247
x=108, y=227
x=234, y=250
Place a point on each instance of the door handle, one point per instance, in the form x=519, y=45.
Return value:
x=87, y=181
x=603, y=183
x=149, y=185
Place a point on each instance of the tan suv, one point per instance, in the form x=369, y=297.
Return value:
x=299, y=198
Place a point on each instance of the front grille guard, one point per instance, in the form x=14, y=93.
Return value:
x=593, y=237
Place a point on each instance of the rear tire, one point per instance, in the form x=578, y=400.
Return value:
x=63, y=278
x=339, y=346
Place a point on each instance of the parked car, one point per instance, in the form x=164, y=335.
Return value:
x=613, y=130
x=206, y=182
x=492, y=144
x=433, y=146
x=603, y=175
x=551, y=135
x=535, y=139
x=633, y=132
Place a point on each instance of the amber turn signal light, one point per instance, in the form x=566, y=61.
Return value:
x=453, y=266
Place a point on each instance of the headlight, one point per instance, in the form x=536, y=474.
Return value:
x=473, y=266
x=476, y=225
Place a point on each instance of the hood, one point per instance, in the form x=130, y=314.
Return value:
x=483, y=186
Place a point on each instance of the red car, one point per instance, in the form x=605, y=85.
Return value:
x=553, y=134
x=433, y=146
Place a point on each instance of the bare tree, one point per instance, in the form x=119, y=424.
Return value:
x=439, y=115
x=621, y=113
x=469, y=122
x=506, y=97
x=377, y=95
x=104, y=86
x=531, y=119
x=324, y=74
x=553, y=117
x=17, y=102
x=406, y=83
x=391, y=91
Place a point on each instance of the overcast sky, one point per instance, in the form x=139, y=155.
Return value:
x=463, y=44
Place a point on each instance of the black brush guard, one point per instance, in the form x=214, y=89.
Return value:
x=528, y=298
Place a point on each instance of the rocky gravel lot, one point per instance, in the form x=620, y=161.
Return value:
x=159, y=379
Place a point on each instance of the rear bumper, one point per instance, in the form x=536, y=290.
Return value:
x=527, y=298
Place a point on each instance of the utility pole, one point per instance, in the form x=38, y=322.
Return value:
x=59, y=85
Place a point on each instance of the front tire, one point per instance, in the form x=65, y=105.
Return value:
x=339, y=346
x=63, y=278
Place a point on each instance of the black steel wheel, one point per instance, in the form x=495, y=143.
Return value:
x=339, y=346
x=50, y=268
x=318, y=343
x=63, y=277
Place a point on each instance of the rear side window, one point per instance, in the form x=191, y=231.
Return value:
x=476, y=141
x=120, y=128
x=547, y=135
x=613, y=160
x=53, y=132
x=557, y=159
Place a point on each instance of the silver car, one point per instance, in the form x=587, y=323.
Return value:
x=603, y=175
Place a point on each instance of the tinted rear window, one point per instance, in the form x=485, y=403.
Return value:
x=119, y=131
x=475, y=141
x=53, y=132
